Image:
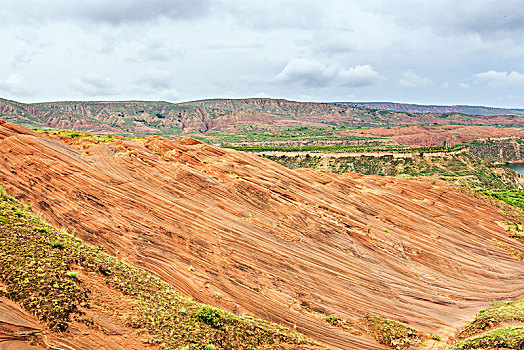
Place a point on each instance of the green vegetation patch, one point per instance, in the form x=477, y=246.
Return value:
x=34, y=268
x=267, y=133
x=497, y=313
x=513, y=197
x=37, y=266
x=344, y=148
x=392, y=333
x=502, y=338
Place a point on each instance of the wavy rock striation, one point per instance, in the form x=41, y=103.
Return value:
x=247, y=234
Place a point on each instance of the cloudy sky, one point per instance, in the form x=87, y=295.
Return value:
x=418, y=51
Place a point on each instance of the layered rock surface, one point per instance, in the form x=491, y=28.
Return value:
x=244, y=233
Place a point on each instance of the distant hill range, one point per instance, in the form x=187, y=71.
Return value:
x=414, y=108
x=224, y=115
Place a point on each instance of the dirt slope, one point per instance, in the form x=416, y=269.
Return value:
x=244, y=233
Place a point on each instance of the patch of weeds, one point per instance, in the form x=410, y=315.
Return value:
x=57, y=244
x=511, y=337
x=334, y=320
x=435, y=337
x=516, y=253
x=499, y=312
x=392, y=333
x=72, y=274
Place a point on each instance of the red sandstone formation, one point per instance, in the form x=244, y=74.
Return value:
x=241, y=232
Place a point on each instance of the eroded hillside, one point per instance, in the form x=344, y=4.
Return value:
x=223, y=115
x=244, y=233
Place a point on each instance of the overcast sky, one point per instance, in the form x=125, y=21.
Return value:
x=418, y=51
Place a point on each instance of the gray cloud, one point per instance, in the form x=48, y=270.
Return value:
x=272, y=14
x=501, y=79
x=93, y=85
x=316, y=74
x=413, y=80
x=113, y=12
x=483, y=17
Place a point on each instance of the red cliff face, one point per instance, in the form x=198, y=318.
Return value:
x=243, y=233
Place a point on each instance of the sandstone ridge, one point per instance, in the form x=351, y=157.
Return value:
x=246, y=234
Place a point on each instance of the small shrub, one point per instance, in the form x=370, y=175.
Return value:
x=210, y=347
x=210, y=316
x=435, y=337
x=72, y=274
x=332, y=319
x=57, y=244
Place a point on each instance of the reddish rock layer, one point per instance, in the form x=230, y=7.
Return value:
x=244, y=233
x=430, y=136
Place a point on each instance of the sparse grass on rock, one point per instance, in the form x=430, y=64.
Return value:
x=501, y=338
x=33, y=269
x=499, y=312
x=392, y=333
x=36, y=266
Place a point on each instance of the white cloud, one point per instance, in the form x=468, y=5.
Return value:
x=316, y=74
x=358, y=76
x=93, y=85
x=464, y=85
x=16, y=86
x=413, y=80
x=445, y=85
x=501, y=79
